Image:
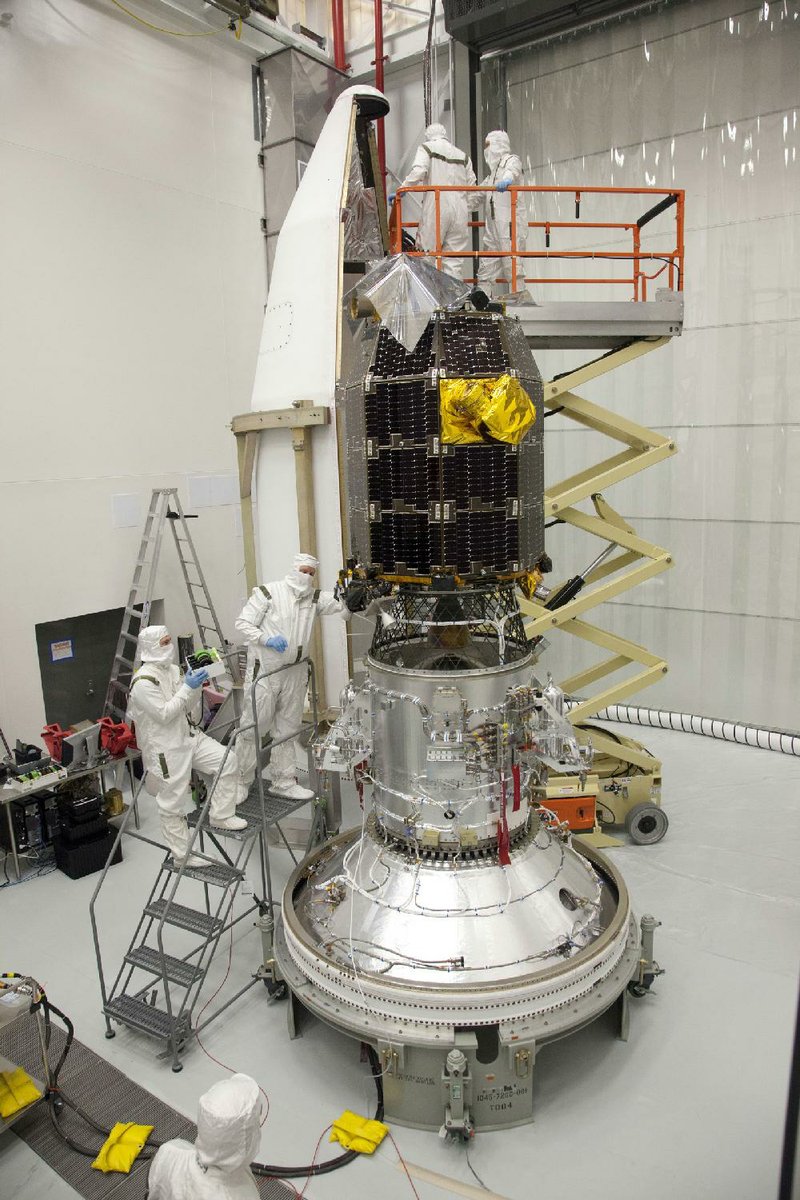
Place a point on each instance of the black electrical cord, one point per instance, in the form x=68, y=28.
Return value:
x=54, y=1094
x=70, y=1028
x=55, y=1097
x=341, y=1160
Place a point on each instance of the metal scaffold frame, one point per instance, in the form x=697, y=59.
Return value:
x=639, y=560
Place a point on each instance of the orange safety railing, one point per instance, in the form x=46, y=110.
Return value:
x=671, y=260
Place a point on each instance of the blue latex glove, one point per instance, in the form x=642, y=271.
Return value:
x=503, y=185
x=196, y=679
x=278, y=642
x=391, y=197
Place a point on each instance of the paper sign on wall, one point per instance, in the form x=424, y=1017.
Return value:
x=59, y=651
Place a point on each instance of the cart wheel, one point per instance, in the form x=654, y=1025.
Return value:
x=637, y=989
x=646, y=824
x=276, y=988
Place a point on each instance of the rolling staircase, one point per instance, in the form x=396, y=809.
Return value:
x=158, y=986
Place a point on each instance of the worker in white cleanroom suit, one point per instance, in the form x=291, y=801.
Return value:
x=217, y=1166
x=505, y=171
x=439, y=163
x=276, y=623
x=160, y=702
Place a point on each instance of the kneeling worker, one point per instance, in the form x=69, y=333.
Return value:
x=159, y=706
x=277, y=623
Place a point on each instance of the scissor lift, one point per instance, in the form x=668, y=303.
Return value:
x=625, y=330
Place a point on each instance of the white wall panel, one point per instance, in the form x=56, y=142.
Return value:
x=131, y=303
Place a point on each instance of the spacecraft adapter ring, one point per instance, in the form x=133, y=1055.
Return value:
x=419, y=1005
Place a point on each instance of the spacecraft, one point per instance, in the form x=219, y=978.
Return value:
x=459, y=928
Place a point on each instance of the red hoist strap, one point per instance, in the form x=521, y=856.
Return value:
x=515, y=775
x=502, y=828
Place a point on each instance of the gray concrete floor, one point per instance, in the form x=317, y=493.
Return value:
x=692, y=1106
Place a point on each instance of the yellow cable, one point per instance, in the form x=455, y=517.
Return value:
x=173, y=32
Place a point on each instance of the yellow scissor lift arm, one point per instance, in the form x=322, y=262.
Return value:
x=637, y=560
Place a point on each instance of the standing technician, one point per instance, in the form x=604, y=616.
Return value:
x=505, y=171
x=439, y=163
x=277, y=623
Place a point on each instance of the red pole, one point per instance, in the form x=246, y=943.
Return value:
x=380, y=59
x=337, y=17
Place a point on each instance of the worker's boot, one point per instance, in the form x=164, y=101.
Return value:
x=176, y=835
x=236, y=824
x=290, y=789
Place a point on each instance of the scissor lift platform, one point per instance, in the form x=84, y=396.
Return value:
x=599, y=324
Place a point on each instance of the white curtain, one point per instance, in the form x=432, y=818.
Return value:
x=703, y=97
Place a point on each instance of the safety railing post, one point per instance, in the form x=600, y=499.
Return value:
x=637, y=275
x=438, y=229
x=513, y=193
x=397, y=232
x=93, y=902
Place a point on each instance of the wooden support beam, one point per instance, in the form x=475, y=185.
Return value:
x=246, y=447
x=307, y=525
x=282, y=418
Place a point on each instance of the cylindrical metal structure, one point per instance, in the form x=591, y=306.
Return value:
x=460, y=916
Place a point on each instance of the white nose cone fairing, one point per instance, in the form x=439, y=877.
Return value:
x=298, y=358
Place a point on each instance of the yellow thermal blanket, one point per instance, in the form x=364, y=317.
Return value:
x=119, y=1151
x=358, y=1133
x=473, y=409
x=17, y=1090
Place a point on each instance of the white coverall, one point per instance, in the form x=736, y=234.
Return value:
x=217, y=1166
x=287, y=608
x=504, y=167
x=439, y=163
x=159, y=706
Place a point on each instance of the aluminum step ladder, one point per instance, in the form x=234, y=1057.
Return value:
x=165, y=508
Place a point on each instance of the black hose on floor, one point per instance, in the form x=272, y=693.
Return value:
x=341, y=1160
x=54, y=1095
